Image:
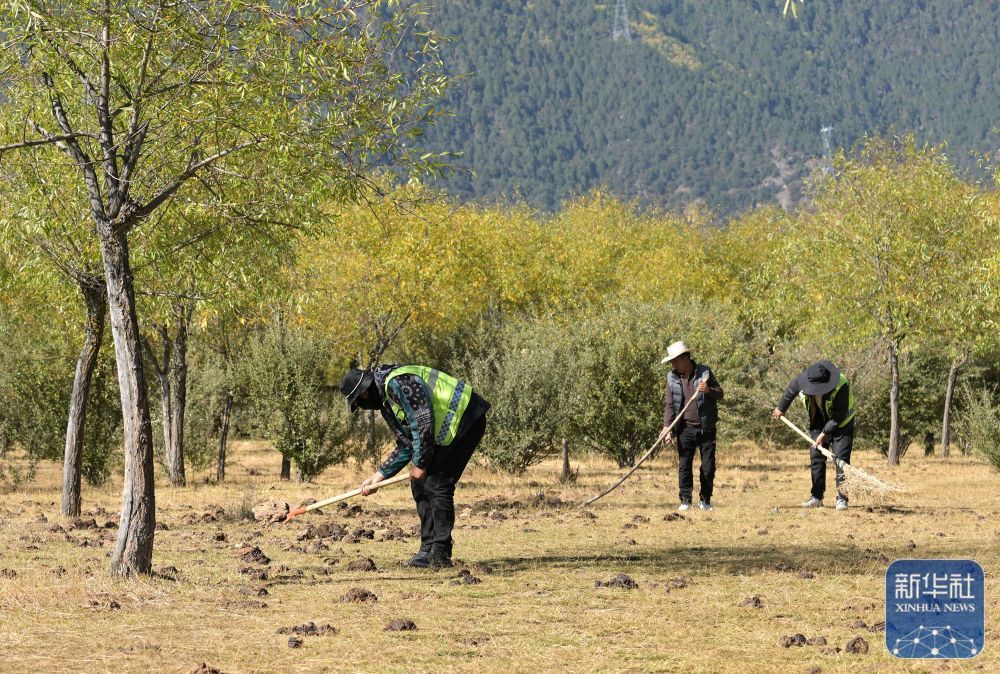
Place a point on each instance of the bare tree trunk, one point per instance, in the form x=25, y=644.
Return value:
x=178, y=402
x=94, y=297
x=565, y=473
x=286, y=468
x=133, y=551
x=949, y=397
x=220, y=471
x=894, y=448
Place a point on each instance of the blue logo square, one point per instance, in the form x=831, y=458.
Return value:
x=935, y=608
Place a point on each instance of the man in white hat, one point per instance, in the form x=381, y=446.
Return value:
x=696, y=430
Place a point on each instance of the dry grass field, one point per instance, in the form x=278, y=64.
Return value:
x=537, y=559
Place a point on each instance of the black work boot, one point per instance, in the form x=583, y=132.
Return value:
x=420, y=560
x=440, y=556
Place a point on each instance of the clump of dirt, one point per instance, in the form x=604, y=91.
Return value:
x=465, y=577
x=793, y=640
x=673, y=517
x=254, y=591
x=806, y=575
x=640, y=519
x=361, y=532
x=294, y=642
x=827, y=650
x=816, y=641
x=245, y=603
x=325, y=530
x=857, y=645
x=629, y=525
x=10, y=574
x=400, y=625
x=219, y=537
x=166, y=572
x=393, y=533
x=252, y=555
x=350, y=510
x=254, y=574
x=362, y=564
x=497, y=516
x=480, y=567
x=205, y=668
x=621, y=580
x=678, y=583
x=270, y=512
x=358, y=594
x=80, y=523
x=56, y=529
x=309, y=629
x=752, y=602
x=858, y=624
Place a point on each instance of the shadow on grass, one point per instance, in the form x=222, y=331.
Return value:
x=732, y=560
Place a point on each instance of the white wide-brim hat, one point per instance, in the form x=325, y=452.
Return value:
x=674, y=350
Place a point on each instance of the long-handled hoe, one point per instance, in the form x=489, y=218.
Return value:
x=649, y=452
x=302, y=510
x=856, y=481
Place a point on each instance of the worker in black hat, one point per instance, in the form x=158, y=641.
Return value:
x=438, y=422
x=829, y=403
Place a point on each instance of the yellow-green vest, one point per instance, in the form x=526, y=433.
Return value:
x=449, y=397
x=851, y=411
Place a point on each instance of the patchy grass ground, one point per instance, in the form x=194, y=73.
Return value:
x=536, y=607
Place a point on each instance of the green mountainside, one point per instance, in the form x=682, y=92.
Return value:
x=715, y=101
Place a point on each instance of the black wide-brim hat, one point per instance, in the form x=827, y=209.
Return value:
x=355, y=383
x=819, y=378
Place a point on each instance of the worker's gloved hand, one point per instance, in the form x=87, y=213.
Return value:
x=373, y=480
x=777, y=414
x=417, y=473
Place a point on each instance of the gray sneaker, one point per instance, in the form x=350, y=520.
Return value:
x=813, y=503
x=705, y=505
x=841, y=503
x=684, y=506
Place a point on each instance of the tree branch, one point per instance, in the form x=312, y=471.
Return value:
x=48, y=140
x=187, y=174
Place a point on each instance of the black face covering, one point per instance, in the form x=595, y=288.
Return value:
x=372, y=401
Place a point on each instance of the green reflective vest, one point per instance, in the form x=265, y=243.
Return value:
x=851, y=411
x=449, y=397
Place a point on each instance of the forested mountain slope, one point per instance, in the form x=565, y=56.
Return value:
x=718, y=101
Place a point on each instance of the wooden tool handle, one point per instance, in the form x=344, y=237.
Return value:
x=356, y=492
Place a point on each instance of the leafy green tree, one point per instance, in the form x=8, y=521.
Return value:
x=251, y=110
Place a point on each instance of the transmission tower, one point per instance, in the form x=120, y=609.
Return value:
x=620, y=29
x=827, y=150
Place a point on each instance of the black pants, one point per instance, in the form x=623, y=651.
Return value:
x=689, y=440
x=840, y=443
x=435, y=494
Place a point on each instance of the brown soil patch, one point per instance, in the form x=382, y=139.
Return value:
x=363, y=564
x=622, y=580
x=358, y=594
x=400, y=625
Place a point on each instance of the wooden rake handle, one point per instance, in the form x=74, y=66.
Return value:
x=812, y=443
x=649, y=452
x=346, y=495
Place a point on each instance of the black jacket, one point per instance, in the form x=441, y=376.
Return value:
x=818, y=420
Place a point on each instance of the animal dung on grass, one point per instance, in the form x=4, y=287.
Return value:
x=205, y=668
x=857, y=645
x=400, y=625
x=253, y=555
x=294, y=642
x=270, y=512
x=362, y=564
x=360, y=595
x=752, y=602
x=793, y=640
x=621, y=580
x=310, y=629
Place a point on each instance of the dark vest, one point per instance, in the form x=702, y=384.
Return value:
x=708, y=409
